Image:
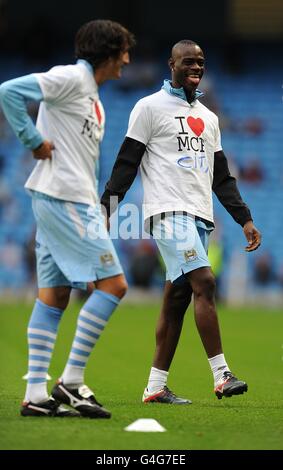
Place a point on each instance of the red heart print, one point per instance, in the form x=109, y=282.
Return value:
x=197, y=125
x=97, y=112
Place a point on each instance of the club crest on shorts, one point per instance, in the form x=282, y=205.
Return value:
x=190, y=255
x=107, y=259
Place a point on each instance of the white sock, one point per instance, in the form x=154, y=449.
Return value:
x=218, y=365
x=157, y=379
x=73, y=376
x=36, y=392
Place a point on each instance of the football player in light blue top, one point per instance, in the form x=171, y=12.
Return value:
x=73, y=247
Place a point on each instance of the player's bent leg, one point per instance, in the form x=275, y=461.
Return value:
x=203, y=285
x=93, y=317
x=175, y=303
x=176, y=300
x=115, y=285
x=55, y=296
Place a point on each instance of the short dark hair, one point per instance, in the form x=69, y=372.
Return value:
x=186, y=42
x=98, y=40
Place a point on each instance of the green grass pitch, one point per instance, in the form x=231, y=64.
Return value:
x=118, y=371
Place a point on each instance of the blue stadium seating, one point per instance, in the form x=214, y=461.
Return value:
x=240, y=98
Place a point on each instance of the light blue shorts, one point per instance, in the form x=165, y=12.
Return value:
x=183, y=243
x=72, y=244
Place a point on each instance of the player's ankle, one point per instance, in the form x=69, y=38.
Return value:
x=157, y=380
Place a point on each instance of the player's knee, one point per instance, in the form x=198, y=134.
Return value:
x=115, y=286
x=57, y=297
x=179, y=297
x=121, y=288
x=182, y=292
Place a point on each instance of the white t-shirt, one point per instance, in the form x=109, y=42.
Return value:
x=177, y=166
x=72, y=117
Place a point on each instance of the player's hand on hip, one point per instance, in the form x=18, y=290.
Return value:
x=253, y=236
x=44, y=151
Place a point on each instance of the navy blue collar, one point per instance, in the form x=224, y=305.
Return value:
x=179, y=92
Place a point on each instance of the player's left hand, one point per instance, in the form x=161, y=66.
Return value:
x=253, y=236
x=44, y=151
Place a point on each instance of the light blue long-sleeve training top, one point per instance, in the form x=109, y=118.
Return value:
x=14, y=95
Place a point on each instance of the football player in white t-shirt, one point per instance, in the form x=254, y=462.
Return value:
x=176, y=141
x=73, y=247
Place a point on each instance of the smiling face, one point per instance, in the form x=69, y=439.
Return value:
x=187, y=66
